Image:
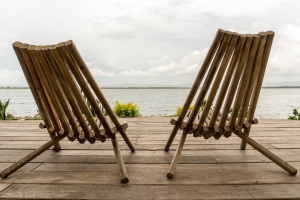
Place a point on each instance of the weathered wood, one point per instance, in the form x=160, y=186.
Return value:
x=47, y=85
x=261, y=62
x=40, y=104
x=119, y=159
x=236, y=54
x=75, y=92
x=69, y=191
x=4, y=174
x=206, y=84
x=57, y=83
x=89, y=78
x=268, y=154
x=84, y=87
x=205, y=65
x=176, y=156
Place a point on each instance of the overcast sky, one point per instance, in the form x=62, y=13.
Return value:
x=147, y=42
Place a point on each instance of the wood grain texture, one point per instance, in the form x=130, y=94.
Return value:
x=206, y=169
x=246, y=192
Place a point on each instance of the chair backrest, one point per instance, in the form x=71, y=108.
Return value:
x=62, y=86
x=230, y=77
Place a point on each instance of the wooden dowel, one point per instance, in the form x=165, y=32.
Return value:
x=196, y=122
x=218, y=80
x=243, y=80
x=176, y=156
x=71, y=107
x=40, y=106
x=205, y=65
x=42, y=125
x=246, y=84
x=120, y=162
x=207, y=82
x=235, y=81
x=74, y=90
x=173, y=121
x=57, y=83
x=268, y=154
x=184, y=122
x=262, y=60
x=39, y=88
x=234, y=65
x=86, y=90
x=90, y=79
x=254, y=121
x=5, y=173
x=49, y=90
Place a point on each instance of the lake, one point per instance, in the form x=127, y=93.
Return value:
x=273, y=102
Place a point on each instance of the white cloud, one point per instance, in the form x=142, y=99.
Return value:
x=164, y=58
x=11, y=78
x=188, y=65
x=284, y=58
x=98, y=72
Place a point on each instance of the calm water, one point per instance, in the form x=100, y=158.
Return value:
x=273, y=102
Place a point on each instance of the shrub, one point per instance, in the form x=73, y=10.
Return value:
x=9, y=116
x=126, y=109
x=179, y=108
x=3, y=107
x=296, y=115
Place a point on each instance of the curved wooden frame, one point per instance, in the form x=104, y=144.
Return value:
x=244, y=59
x=58, y=78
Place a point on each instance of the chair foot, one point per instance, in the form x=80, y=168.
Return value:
x=3, y=175
x=284, y=165
x=176, y=156
x=125, y=180
x=170, y=175
x=119, y=159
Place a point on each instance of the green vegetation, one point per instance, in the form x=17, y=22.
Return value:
x=3, y=107
x=90, y=106
x=179, y=108
x=296, y=115
x=126, y=109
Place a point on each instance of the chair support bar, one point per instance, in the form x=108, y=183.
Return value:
x=8, y=171
x=284, y=165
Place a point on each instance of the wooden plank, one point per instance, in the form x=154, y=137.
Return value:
x=220, y=167
x=27, y=167
x=280, y=191
x=183, y=177
x=110, y=159
x=287, y=146
x=3, y=186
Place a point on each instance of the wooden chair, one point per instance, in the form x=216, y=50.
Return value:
x=62, y=87
x=231, y=76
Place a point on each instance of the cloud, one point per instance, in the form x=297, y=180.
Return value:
x=12, y=78
x=284, y=57
x=188, y=65
x=98, y=72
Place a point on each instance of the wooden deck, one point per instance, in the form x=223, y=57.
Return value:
x=208, y=169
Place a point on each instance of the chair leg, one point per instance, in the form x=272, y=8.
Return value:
x=243, y=142
x=127, y=140
x=8, y=171
x=120, y=162
x=176, y=156
x=172, y=136
x=56, y=146
x=284, y=165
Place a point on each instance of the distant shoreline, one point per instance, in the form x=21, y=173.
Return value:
x=279, y=87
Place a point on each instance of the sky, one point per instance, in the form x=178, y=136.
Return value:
x=157, y=43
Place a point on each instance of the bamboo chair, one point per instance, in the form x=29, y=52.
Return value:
x=231, y=76
x=56, y=76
